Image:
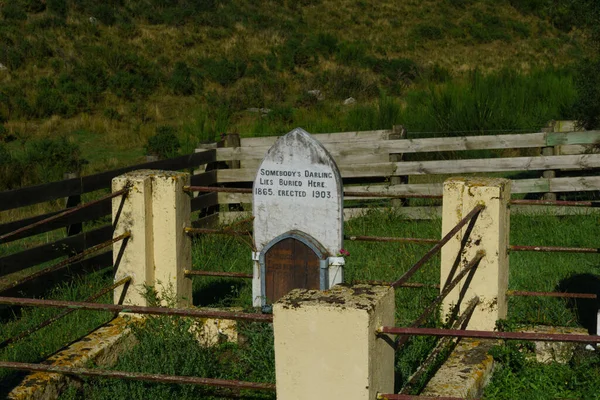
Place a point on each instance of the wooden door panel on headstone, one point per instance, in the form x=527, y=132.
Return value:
x=290, y=264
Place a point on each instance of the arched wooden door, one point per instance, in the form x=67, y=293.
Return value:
x=290, y=264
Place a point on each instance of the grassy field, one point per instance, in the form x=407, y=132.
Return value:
x=167, y=347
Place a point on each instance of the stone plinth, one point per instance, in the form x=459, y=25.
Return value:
x=326, y=345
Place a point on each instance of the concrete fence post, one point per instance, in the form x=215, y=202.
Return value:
x=326, y=345
x=155, y=211
x=490, y=234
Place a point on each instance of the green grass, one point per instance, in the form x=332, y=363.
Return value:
x=48, y=340
x=168, y=340
x=518, y=377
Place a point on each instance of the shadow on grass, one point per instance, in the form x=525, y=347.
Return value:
x=217, y=293
x=585, y=309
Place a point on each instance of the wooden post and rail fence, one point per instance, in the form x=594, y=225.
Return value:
x=372, y=161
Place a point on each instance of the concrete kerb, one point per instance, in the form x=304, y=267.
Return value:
x=101, y=347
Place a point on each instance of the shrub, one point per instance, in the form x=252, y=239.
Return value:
x=105, y=13
x=51, y=158
x=13, y=11
x=352, y=53
x=163, y=143
x=587, y=103
x=133, y=83
x=49, y=100
x=181, y=82
x=34, y=6
x=58, y=7
x=9, y=170
x=426, y=32
x=224, y=71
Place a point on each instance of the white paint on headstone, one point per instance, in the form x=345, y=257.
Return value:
x=298, y=187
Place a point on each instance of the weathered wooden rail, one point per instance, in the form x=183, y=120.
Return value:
x=94, y=214
x=369, y=162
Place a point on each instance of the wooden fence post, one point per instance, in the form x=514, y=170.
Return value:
x=73, y=201
x=549, y=151
x=398, y=133
x=232, y=140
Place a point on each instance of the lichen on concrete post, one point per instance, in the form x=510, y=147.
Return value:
x=155, y=212
x=326, y=344
x=490, y=234
x=134, y=256
x=171, y=209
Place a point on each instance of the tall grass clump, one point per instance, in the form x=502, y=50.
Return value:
x=506, y=100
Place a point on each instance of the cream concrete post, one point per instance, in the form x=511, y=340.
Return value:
x=490, y=234
x=155, y=211
x=133, y=257
x=326, y=345
x=171, y=209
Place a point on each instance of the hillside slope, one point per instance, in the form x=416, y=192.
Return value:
x=107, y=74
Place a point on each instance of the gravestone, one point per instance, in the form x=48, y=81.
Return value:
x=298, y=219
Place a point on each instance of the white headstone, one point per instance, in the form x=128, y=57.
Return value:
x=298, y=187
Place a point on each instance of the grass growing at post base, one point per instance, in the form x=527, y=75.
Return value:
x=167, y=347
x=52, y=338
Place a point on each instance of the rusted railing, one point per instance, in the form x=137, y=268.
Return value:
x=63, y=214
x=555, y=249
x=541, y=337
x=471, y=266
x=63, y=314
x=435, y=249
x=66, y=262
x=181, y=312
x=552, y=294
x=217, y=274
x=138, y=376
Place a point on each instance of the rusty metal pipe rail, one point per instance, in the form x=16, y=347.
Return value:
x=474, y=263
x=188, y=272
x=138, y=376
x=435, y=249
x=200, y=231
x=180, y=312
x=554, y=249
x=63, y=214
x=442, y=345
x=389, y=239
x=569, y=203
x=63, y=314
x=541, y=337
x=66, y=262
x=551, y=294
x=415, y=285
x=209, y=189
x=392, y=396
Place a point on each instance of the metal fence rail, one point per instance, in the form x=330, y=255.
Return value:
x=469, y=268
x=542, y=337
x=435, y=249
x=70, y=260
x=55, y=318
x=138, y=376
x=181, y=312
x=70, y=211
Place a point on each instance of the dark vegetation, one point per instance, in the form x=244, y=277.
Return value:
x=111, y=74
